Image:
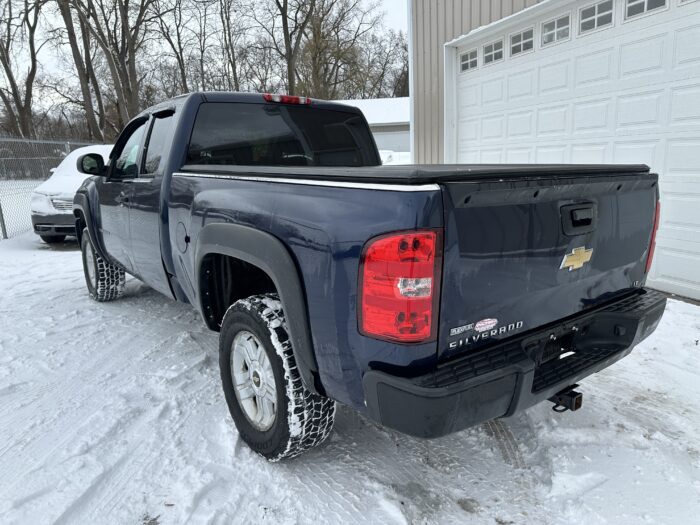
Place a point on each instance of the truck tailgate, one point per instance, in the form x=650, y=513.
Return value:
x=526, y=251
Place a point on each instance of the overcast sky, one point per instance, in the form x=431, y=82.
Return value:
x=396, y=16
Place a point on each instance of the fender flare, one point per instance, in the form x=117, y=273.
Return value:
x=81, y=204
x=268, y=253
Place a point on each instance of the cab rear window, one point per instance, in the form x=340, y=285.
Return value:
x=243, y=134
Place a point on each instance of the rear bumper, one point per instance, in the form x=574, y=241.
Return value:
x=54, y=224
x=514, y=374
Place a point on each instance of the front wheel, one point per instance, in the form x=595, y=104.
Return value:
x=273, y=411
x=105, y=282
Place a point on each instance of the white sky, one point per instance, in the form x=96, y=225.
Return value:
x=396, y=14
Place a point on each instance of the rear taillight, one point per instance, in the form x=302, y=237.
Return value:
x=287, y=99
x=400, y=286
x=652, y=243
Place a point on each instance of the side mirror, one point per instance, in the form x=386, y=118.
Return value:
x=91, y=164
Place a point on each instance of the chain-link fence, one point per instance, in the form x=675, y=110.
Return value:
x=24, y=164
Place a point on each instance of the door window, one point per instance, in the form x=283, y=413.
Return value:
x=126, y=163
x=161, y=131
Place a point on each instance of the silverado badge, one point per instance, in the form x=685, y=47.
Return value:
x=577, y=258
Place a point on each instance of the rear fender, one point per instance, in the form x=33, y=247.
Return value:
x=270, y=255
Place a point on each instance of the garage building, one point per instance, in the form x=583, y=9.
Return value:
x=612, y=81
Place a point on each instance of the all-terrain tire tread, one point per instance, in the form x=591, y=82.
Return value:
x=310, y=416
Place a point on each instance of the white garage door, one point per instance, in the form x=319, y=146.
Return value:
x=615, y=81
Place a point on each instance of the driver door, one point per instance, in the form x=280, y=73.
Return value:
x=115, y=193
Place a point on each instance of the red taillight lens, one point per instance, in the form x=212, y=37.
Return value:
x=400, y=286
x=652, y=243
x=286, y=99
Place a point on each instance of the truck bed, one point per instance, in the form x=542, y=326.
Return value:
x=410, y=174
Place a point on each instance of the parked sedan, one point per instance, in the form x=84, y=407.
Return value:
x=52, y=201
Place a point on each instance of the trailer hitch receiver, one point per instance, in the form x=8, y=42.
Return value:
x=567, y=399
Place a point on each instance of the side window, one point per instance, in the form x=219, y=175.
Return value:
x=159, y=136
x=556, y=30
x=596, y=16
x=125, y=164
x=521, y=42
x=468, y=60
x=639, y=7
x=493, y=52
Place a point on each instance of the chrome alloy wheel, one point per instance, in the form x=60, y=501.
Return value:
x=253, y=380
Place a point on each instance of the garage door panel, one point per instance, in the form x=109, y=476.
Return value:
x=683, y=157
x=469, y=98
x=554, y=77
x=643, y=56
x=629, y=93
x=637, y=152
x=677, y=268
x=519, y=155
x=492, y=156
x=492, y=92
x=687, y=46
x=492, y=128
x=470, y=156
x=685, y=105
x=521, y=85
x=594, y=68
x=592, y=115
x=552, y=121
x=470, y=130
x=681, y=216
x=639, y=110
x=551, y=154
x=589, y=153
x=520, y=124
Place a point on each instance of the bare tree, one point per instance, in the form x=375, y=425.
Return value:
x=330, y=49
x=18, y=37
x=120, y=28
x=119, y=56
x=232, y=33
x=203, y=29
x=285, y=22
x=171, y=17
x=82, y=59
x=380, y=59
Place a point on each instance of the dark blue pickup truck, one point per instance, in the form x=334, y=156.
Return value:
x=429, y=298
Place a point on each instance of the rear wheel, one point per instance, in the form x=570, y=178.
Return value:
x=52, y=239
x=105, y=282
x=274, y=413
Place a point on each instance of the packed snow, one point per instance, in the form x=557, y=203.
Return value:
x=113, y=413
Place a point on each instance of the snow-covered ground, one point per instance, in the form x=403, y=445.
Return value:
x=112, y=413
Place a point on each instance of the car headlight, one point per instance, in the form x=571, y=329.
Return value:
x=41, y=204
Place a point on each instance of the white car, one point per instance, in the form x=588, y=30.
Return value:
x=52, y=201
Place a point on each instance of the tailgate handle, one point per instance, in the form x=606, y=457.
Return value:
x=582, y=217
x=577, y=219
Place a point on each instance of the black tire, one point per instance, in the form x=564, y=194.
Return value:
x=107, y=282
x=52, y=239
x=303, y=419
